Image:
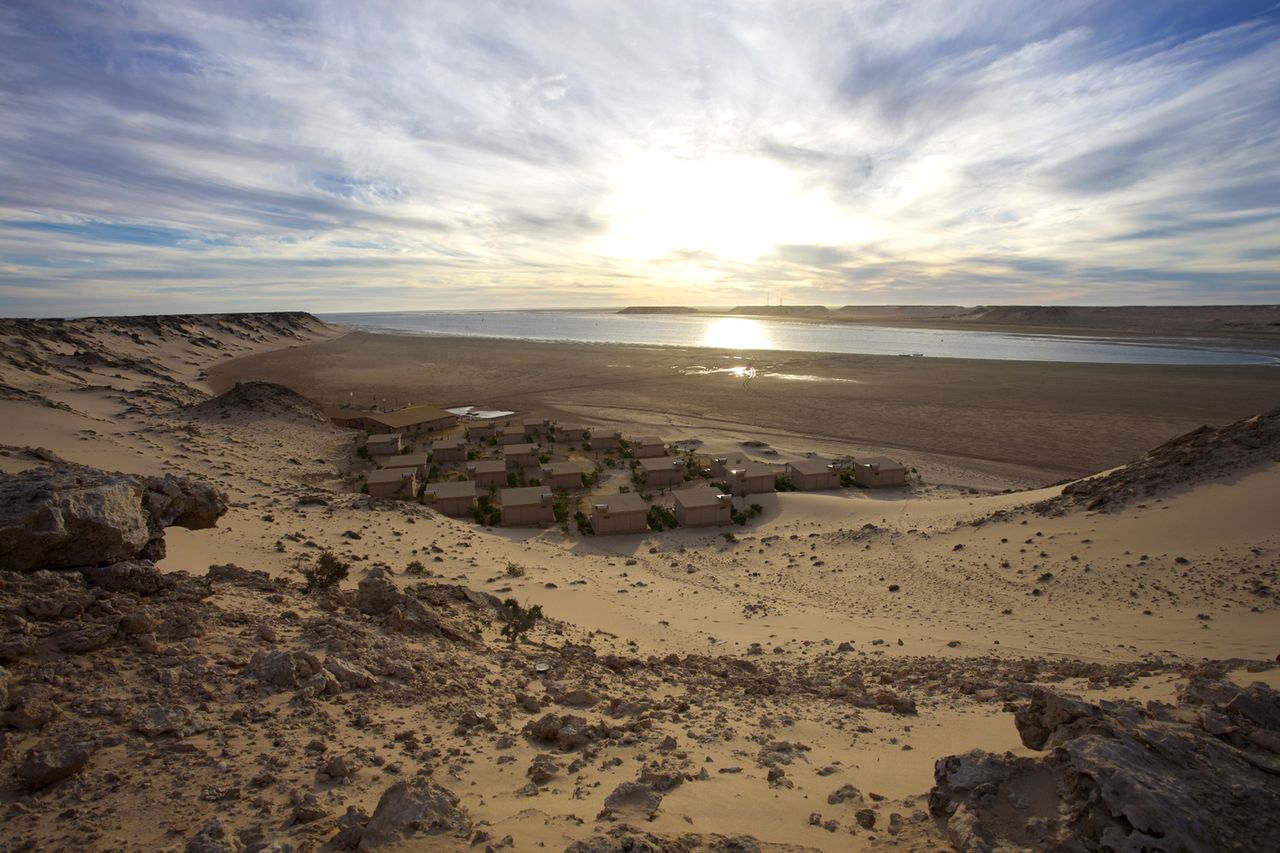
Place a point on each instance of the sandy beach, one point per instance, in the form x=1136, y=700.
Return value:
x=990, y=424
x=801, y=681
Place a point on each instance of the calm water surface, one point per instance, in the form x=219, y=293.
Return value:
x=772, y=334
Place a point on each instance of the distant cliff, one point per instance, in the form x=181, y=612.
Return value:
x=657, y=309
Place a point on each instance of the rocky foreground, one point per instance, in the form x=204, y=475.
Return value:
x=231, y=711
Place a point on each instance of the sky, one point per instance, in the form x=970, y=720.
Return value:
x=365, y=156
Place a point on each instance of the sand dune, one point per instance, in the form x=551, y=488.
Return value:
x=796, y=681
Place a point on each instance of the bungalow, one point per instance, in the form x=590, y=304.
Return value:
x=408, y=419
x=488, y=473
x=754, y=478
x=813, y=475
x=647, y=447
x=481, y=431
x=622, y=513
x=663, y=471
x=417, y=462
x=562, y=475
x=509, y=434
x=528, y=506
x=446, y=450
x=521, y=455
x=392, y=483
x=451, y=498
x=570, y=433
x=605, y=441
x=722, y=465
x=879, y=472
x=383, y=444
x=703, y=506
x=536, y=427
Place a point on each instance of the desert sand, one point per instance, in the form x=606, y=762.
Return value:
x=801, y=683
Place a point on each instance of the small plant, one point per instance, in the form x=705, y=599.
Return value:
x=415, y=568
x=327, y=572
x=544, y=458
x=783, y=483
x=472, y=456
x=515, y=570
x=484, y=512
x=406, y=450
x=512, y=480
x=519, y=620
x=743, y=516
x=661, y=518
x=363, y=451
x=584, y=524
x=561, y=510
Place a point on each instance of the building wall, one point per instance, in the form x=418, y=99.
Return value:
x=527, y=516
x=650, y=452
x=513, y=436
x=563, y=481
x=485, y=481
x=604, y=443
x=571, y=436
x=454, y=507
x=528, y=460
x=383, y=448
x=816, y=482
x=703, y=516
x=754, y=485
x=392, y=490
x=452, y=454
x=878, y=479
x=618, y=522
x=664, y=478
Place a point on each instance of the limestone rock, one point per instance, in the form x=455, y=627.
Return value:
x=1121, y=776
x=632, y=798
x=72, y=516
x=139, y=577
x=48, y=763
x=407, y=809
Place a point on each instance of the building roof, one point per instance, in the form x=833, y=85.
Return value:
x=389, y=475
x=557, y=468
x=404, y=460
x=699, y=496
x=882, y=463
x=448, y=444
x=661, y=463
x=525, y=496
x=401, y=418
x=487, y=466
x=620, y=503
x=536, y=422
x=645, y=440
x=811, y=466
x=520, y=449
x=383, y=437
x=569, y=426
x=451, y=489
x=754, y=469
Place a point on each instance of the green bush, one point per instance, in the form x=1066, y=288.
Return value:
x=363, y=451
x=327, y=572
x=661, y=518
x=783, y=483
x=519, y=620
x=485, y=512
x=514, y=570
x=584, y=524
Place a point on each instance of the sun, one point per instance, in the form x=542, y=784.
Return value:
x=736, y=333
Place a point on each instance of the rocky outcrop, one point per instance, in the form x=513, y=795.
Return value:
x=73, y=516
x=411, y=809
x=1203, y=775
x=252, y=400
x=1199, y=455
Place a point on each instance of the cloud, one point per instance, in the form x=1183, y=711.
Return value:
x=384, y=155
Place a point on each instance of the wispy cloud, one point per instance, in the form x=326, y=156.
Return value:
x=332, y=155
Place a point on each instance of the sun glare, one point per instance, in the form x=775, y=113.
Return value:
x=737, y=333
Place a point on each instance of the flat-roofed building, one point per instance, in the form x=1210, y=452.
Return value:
x=621, y=513
x=521, y=455
x=647, y=447
x=879, y=472
x=813, y=475
x=452, y=498
x=384, y=444
x=510, y=434
x=407, y=419
x=527, y=506
x=418, y=462
x=446, y=451
x=488, y=473
x=535, y=428
x=703, y=506
x=570, y=433
x=662, y=471
x=724, y=463
x=562, y=475
x=753, y=478
x=392, y=483
x=481, y=431
x=605, y=440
